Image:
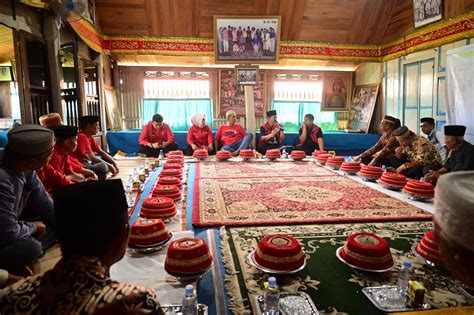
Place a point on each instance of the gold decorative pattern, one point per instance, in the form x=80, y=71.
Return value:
x=366, y=258
x=279, y=260
x=187, y=262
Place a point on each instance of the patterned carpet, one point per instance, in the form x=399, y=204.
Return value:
x=333, y=286
x=274, y=198
x=259, y=168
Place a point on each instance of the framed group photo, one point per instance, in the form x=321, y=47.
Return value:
x=246, y=39
x=232, y=95
x=427, y=11
x=337, y=89
x=362, y=107
x=246, y=75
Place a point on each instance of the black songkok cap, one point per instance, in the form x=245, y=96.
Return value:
x=455, y=130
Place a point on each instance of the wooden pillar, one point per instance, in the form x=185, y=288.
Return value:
x=100, y=92
x=250, y=111
x=51, y=35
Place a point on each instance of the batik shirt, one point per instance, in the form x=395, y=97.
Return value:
x=434, y=140
x=421, y=153
x=385, y=147
x=78, y=285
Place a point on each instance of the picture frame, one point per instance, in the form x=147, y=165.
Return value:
x=427, y=12
x=246, y=75
x=114, y=114
x=337, y=87
x=232, y=95
x=362, y=107
x=252, y=40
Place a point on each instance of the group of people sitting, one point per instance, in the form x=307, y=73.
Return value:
x=92, y=229
x=157, y=137
x=401, y=150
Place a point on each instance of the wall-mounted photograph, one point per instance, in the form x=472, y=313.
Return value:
x=246, y=39
x=246, y=75
x=427, y=11
x=362, y=107
x=232, y=95
x=336, y=91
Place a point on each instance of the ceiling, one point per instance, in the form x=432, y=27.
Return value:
x=7, y=53
x=335, y=21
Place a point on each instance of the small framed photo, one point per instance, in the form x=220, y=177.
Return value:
x=246, y=75
x=337, y=88
x=247, y=39
x=427, y=11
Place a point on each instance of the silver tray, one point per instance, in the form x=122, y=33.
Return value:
x=177, y=309
x=416, y=198
x=422, y=259
x=390, y=187
x=396, y=304
x=251, y=259
x=260, y=302
x=189, y=277
x=338, y=255
x=148, y=249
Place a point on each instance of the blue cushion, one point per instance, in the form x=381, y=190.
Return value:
x=341, y=142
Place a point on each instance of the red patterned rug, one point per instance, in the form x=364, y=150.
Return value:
x=268, y=200
x=231, y=169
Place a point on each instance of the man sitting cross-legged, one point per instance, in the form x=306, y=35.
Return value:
x=232, y=137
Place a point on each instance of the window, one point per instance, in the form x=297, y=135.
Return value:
x=177, y=100
x=294, y=99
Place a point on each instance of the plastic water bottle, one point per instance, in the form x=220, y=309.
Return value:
x=128, y=193
x=272, y=297
x=161, y=155
x=404, y=277
x=284, y=154
x=190, y=304
x=384, y=168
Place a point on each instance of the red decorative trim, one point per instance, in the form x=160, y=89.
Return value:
x=428, y=37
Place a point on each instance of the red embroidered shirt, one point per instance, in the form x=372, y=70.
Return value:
x=201, y=137
x=151, y=135
x=229, y=134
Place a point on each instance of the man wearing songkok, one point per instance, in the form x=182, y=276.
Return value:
x=62, y=161
x=428, y=127
x=311, y=136
x=232, y=136
x=460, y=156
x=417, y=156
x=26, y=211
x=93, y=232
x=199, y=136
x=271, y=134
x=454, y=222
x=87, y=148
x=50, y=120
x=384, y=150
x=156, y=136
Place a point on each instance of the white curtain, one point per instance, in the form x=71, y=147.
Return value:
x=460, y=88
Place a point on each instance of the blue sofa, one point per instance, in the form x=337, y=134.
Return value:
x=341, y=142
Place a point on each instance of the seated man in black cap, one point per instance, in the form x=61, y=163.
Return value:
x=87, y=147
x=460, y=156
x=26, y=211
x=384, y=150
x=271, y=134
x=428, y=127
x=93, y=233
x=416, y=156
x=311, y=136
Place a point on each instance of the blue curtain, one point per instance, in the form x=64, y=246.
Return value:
x=291, y=115
x=177, y=113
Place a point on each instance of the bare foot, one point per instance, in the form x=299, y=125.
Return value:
x=235, y=153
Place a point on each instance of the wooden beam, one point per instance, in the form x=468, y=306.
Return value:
x=152, y=17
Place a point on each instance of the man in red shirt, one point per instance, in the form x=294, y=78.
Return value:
x=62, y=161
x=199, y=136
x=311, y=136
x=232, y=137
x=156, y=136
x=87, y=148
x=271, y=134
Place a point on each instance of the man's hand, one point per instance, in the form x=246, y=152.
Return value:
x=210, y=147
x=40, y=230
x=12, y=279
x=401, y=168
x=195, y=147
x=391, y=169
x=398, y=152
x=357, y=158
x=303, y=126
x=155, y=145
x=432, y=176
x=112, y=169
